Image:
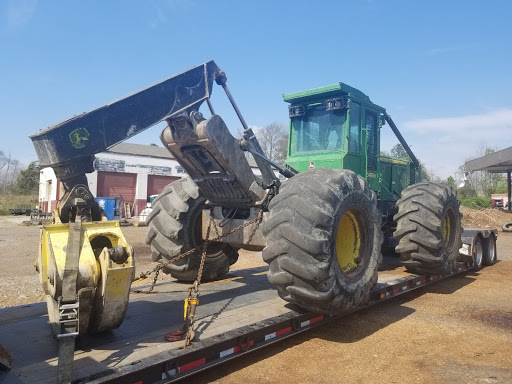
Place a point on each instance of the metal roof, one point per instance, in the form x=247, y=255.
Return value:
x=141, y=150
x=496, y=162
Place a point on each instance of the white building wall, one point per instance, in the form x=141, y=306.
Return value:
x=142, y=166
x=47, y=176
x=141, y=190
x=92, y=181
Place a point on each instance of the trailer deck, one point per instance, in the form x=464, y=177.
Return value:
x=236, y=315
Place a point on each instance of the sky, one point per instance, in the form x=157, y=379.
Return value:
x=440, y=68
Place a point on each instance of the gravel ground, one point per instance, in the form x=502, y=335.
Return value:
x=456, y=331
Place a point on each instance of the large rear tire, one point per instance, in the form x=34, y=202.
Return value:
x=428, y=228
x=175, y=228
x=323, y=240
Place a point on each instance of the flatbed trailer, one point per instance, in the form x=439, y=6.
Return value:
x=237, y=315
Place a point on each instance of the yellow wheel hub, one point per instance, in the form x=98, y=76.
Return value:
x=348, y=242
x=447, y=227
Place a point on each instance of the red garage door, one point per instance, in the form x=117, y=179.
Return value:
x=113, y=184
x=156, y=184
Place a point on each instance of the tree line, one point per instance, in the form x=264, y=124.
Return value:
x=16, y=178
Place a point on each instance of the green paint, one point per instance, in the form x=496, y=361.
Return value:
x=347, y=137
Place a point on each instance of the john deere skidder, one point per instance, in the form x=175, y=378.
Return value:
x=321, y=230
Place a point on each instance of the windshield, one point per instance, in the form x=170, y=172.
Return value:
x=319, y=130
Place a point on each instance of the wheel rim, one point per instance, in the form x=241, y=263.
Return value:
x=478, y=253
x=349, y=241
x=449, y=229
x=491, y=250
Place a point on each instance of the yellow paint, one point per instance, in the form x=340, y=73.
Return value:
x=446, y=229
x=260, y=273
x=348, y=242
x=189, y=301
x=393, y=161
x=224, y=280
x=110, y=281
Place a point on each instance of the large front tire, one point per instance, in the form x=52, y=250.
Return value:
x=323, y=240
x=428, y=228
x=175, y=228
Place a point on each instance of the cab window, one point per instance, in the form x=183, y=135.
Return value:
x=320, y=130
x=354, y=140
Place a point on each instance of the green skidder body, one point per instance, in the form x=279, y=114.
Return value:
x=338, y=127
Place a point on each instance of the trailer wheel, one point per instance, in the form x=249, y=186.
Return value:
x=428, y=228
x=175, y=228
x=323, y=240
x=478, y=253
x=490, y=252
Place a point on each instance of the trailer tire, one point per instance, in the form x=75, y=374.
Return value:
x=175, y=228
x=507, y=227
x=323, y=240
x=478, y=253
x=490, y=250
x=428, y=228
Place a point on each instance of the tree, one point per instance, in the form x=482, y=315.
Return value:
x=28, y=180
x=451, y=181
x=484, y=183
x=273, y=139
x=9, y=170
x=398, y=151
x=3, y=160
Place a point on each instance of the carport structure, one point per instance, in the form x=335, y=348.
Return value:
x=496, y=162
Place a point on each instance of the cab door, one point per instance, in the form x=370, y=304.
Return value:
x=354, y=159
x=372, y=147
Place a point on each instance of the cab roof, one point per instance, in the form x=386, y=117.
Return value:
x=335, y=90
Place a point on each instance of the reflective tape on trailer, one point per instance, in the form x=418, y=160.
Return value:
x=236, y=349
x=281, y=332
x=311, y=321
x=185, y=367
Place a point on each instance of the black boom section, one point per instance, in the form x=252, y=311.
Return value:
x=84, y=135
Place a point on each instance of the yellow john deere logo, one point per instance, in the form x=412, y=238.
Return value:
x=78, y=137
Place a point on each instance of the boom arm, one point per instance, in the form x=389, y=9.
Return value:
x=414, y=160
x=400, y=138
x=77, y=139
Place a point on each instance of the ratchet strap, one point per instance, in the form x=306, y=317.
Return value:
x=69, y=305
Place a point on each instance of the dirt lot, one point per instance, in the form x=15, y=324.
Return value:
x=457, y=331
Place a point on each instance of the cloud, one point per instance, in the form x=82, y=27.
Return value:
x=159, y=16
x=444, y=143
x=20, y=12
x=469, y=127
x=163, y=8
x=441, y=51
